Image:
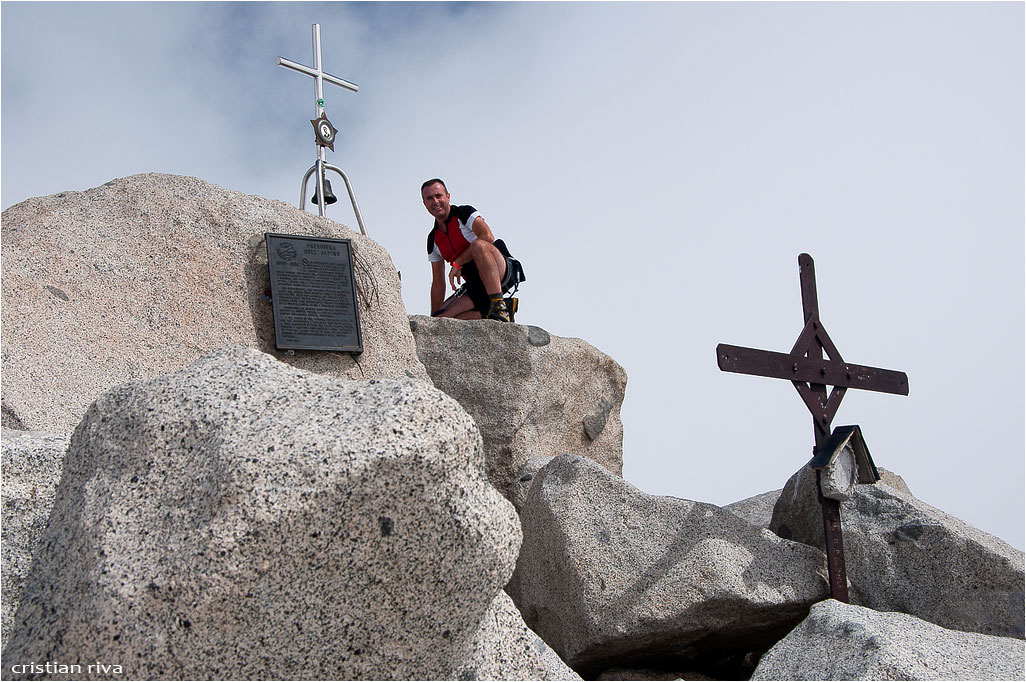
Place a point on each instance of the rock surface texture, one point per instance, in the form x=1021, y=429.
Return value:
x=531, y=394
x=904, y=555
x=756, y=510
x=505, y=648
x=31, y=469
x=846, y=642
x=143, y=275
x=243, y=519
x=610, y=576
x=525, y=479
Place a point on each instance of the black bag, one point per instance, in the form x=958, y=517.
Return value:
x=514, y=270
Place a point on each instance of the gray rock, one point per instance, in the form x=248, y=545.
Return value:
x=528, y=398
x=904, y=555
x=31, y=469
x=537, y=336
x=642, y=674
x=611, y=576
x=243, y=519
x=594, y=423
x=506, y=649
x=756, y=510
x=525, y=479
x=143, y=275
x=10, y=420
x=893, y=480
x=847, y=642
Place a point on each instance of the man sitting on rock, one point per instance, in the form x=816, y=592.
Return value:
x=461, y=236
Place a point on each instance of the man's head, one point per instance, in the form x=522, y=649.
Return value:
x=436, y=198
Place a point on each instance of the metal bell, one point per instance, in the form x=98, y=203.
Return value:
x=329, y=198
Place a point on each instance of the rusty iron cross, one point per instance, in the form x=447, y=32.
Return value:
x=811, y=373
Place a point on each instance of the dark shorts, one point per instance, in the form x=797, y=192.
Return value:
x=475, y=288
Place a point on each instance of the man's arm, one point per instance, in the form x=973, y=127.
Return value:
x=481, y=229
x=437, y=285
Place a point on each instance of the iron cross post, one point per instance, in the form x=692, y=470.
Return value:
x=321, y=123
x=811, y=373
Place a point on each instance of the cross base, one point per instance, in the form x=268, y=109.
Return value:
x=834, y=544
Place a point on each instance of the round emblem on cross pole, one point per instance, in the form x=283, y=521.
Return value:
x=325, y=132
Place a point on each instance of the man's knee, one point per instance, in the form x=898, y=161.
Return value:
x=480, y=248
x=483, y=249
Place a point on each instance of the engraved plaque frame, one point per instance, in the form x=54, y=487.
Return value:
x=313, y=293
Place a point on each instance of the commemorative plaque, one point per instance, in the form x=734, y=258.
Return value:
x=313, y=293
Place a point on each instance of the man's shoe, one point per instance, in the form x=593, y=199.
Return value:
x=498, y=310
x=511, y=307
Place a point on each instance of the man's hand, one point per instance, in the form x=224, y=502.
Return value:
x=455, y=276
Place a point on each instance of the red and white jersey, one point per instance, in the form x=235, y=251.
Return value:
x=448, y=245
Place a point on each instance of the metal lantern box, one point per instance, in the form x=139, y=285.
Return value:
x=844, y=460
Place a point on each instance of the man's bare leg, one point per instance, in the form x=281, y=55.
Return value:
x=491, y=268
x=491, y=265
x=461, y=308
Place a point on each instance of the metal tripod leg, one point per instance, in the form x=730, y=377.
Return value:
x=320, y=189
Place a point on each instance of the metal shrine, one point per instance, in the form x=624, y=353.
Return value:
x=811, y=373
x=324, y=132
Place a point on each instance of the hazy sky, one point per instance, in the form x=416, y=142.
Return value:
x=656, y=167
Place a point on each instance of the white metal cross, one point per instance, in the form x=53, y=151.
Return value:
x=320, y=76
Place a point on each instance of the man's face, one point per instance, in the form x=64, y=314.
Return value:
x=436, y=200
